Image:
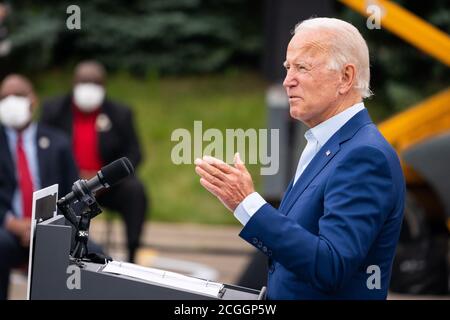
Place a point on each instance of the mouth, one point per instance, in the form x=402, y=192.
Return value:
x=291, y=98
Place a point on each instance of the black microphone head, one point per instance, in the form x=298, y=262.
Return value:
x=116, y=171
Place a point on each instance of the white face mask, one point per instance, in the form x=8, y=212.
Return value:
x=88, y=96
x=15, y=111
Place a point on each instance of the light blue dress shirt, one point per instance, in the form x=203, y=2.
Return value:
x=30, y=147
x=316, y=137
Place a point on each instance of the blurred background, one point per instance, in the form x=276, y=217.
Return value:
x=220, y=61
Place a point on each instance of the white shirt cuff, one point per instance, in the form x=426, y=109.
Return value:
x=248, y=207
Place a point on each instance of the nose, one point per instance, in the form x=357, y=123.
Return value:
x=289, y=80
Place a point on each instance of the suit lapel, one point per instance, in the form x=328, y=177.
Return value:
x=41, y=156
x=66, y=115
x=320, y=160
x=286, y=194
x=104, y=135
x=7, y=155
x=323, y=157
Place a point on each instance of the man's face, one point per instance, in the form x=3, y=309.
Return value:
x=17, y=86
x=17, y=101
x=312, y=88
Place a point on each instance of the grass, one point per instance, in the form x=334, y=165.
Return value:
x=161, y=105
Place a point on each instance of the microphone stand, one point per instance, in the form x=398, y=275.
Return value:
x=80, y=251
x=89, y=209
x=80, y=205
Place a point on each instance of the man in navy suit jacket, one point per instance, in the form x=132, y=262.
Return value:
x=49, y=159
x=335, y=233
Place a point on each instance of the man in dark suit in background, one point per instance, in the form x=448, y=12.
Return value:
x=102, y=131
x=32, y=156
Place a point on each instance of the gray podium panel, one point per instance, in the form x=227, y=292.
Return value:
x=50, y=276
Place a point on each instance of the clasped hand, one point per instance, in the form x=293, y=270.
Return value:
x=231, y=185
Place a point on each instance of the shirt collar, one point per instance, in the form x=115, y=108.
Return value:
x=28, y=134
x=325, y=130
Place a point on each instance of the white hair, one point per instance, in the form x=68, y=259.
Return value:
x=346, y=46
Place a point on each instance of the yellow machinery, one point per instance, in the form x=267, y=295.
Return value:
x=408, y=26
x=421, y=137
x=431, y=117
x=417, y=124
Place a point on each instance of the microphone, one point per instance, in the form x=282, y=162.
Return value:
x=83, y=197
x=108, y=176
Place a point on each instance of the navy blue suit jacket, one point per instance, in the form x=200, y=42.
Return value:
x=339, y=223
x=55, y=161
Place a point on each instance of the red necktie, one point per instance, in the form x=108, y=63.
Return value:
x=25, y=180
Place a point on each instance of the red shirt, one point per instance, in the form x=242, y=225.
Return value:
x=85, y=140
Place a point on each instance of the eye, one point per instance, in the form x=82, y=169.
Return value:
x=301, y=67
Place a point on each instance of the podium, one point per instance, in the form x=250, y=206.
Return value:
x=51, y=274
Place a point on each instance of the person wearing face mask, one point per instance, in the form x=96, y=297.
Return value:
x=102, y=131
x=32, y=156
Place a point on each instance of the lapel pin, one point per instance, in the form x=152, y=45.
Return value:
x=44, y=142
x=328, y=153
x=103, y=123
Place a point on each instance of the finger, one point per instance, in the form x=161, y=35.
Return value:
x=238, y=164
x=205, y=175
x=212, y=170
x=219, y=164
x=25, y=241
x=212, y=160
x=210, y=187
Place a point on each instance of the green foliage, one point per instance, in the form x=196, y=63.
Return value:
x=202, y=36
x=163, y=36
x=401, y=74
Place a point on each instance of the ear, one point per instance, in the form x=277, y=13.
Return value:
x=348, y=77
x=34, y=101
